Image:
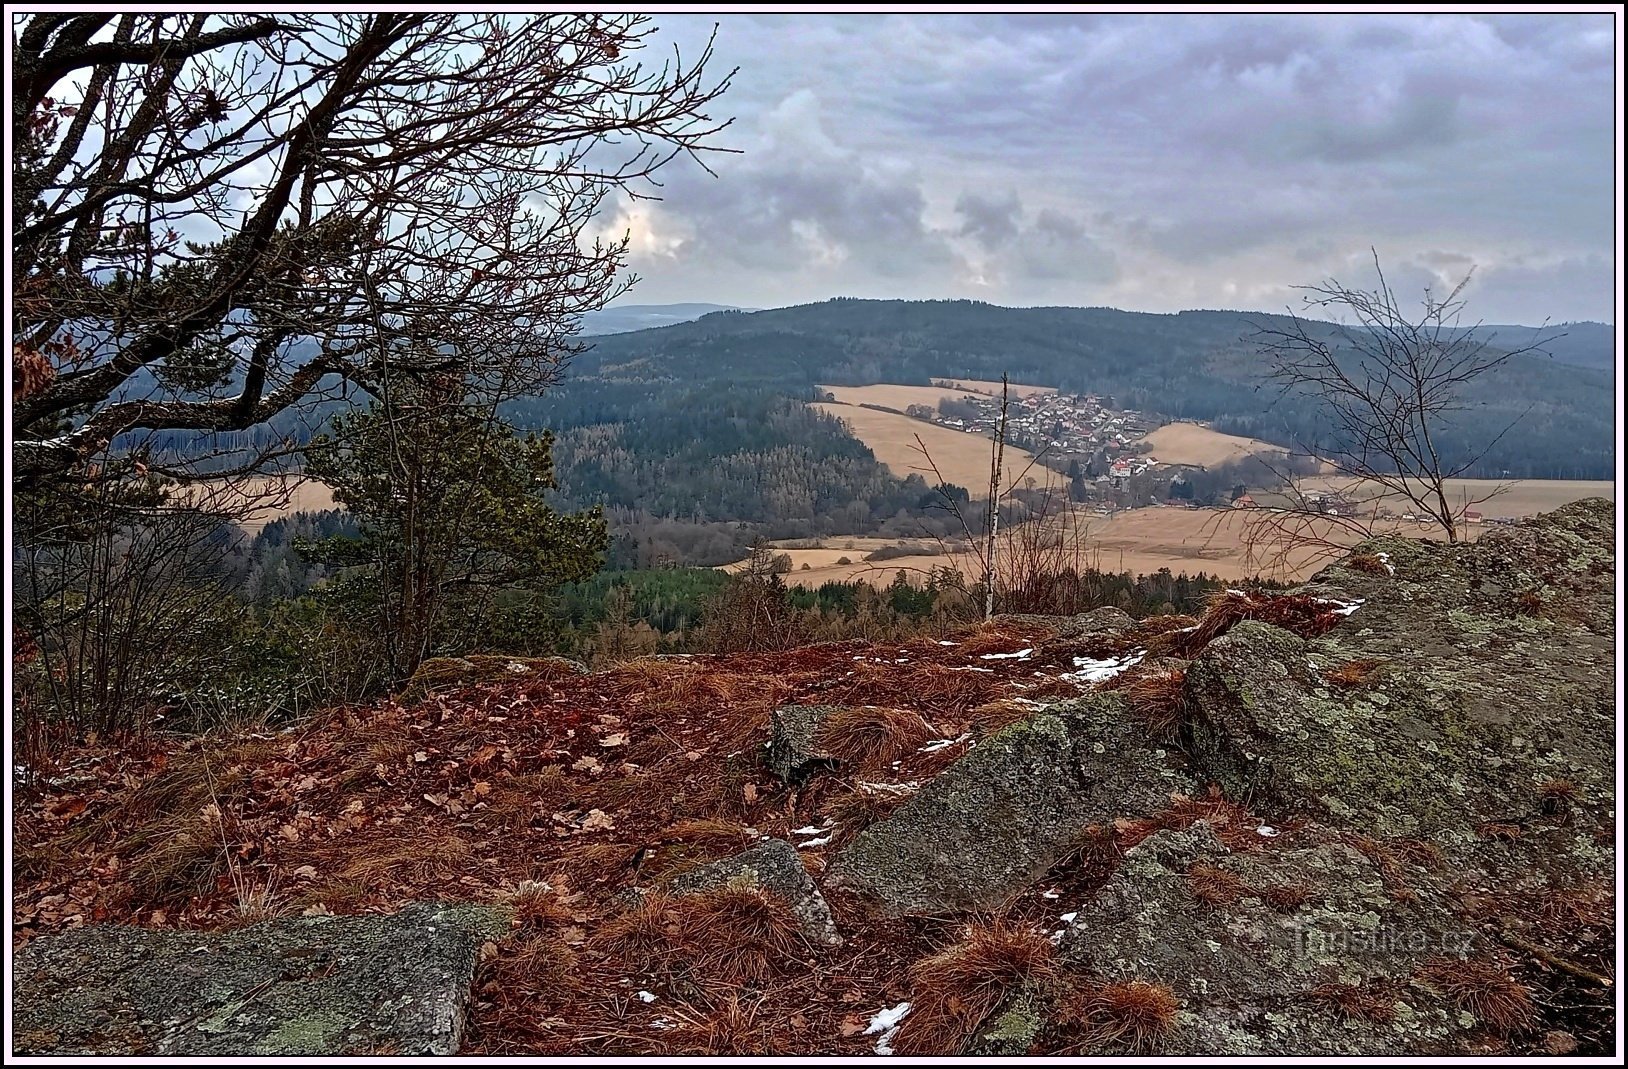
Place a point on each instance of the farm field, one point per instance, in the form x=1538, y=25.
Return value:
x=1527, y=497
x=993, y=389
x=894, y=396
x=1188, y=443
x=961, y=458
x=1143, y=540
x=270, y=497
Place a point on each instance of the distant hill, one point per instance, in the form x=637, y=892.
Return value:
x=628, y=317
x=1586, y=344
x=1195, y=364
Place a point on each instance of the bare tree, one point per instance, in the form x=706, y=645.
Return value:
x=221, y=219
x=1387, y=383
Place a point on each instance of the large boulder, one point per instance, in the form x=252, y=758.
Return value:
x=775, y=866
x=1255, y=945
x=999, y=817
x=301, y=987
x=1467, y=700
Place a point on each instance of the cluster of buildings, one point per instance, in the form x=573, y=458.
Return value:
x=1083, y=427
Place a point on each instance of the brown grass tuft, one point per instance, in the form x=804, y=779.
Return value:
x=1353, y=673
x=1530, y=603
x=1214, y=886
x=852, y=811
x=1558, y=796
x=1286, y=897
x=1301, y=614
x=957, y=988
x=994, y=716
x=1484, y=989
x=1371, y=563
x=1493, y=829
x=737, y=934
x=713, y=832
x=1130, y=1013
x=871, y=736
x=1160, y=700
x=406, y=853
x=733, y=1028
x=1356, y=1003
x=538, y=905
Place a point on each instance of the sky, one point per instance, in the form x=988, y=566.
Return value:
x=1152, y=162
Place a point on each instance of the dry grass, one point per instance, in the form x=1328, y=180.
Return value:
x=1557, y=797
x=1214, y=886
x=1530, y=603
x=737, y=934
x=1301, y=614
x=1355, y=1003
x=1484, y=989
x=517, y=799
x=712, y=833
x=956, y=989
x=1286, y=897
x=1370, y=563
x=406, y=853
x=991, y=717
x=1353, y=673
x=852, y=811
x=872, y=737
x=733, y=1028
x=1158, y=699
x=1135, y=1014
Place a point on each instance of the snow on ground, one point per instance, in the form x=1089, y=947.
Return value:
x=1093, y=671
x=886, y=1021
x=1021, y=655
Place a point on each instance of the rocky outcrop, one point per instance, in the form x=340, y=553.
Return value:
x=1002, y=815
x=304, y=987
x=774, y=866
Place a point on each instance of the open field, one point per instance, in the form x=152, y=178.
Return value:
x=1527, y=497
x=1143, y=540
x=961, y=458
x=1188, y=443
x=993, y=389
x=891, y=395
x=263, y=498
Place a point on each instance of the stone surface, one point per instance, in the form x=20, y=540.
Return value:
x=307, y=987
x=775, y=866
x=1244, y=970
x=1473, y=703
x=1000, y=816
x=791, y=753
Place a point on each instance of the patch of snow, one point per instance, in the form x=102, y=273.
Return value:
x=810, y=830
x=1020, y=655
x=1068, y=918
x=970, y=668
x=890, y=788
x=662, y=1023
x=886, y=1021
x=806, y=844
x=1057, y=936
x=1092, y=671
x=945, y=642
x=1234, y=592
x=1049, y=894
x=939, y=744
x=647, y=996
x=1342, y=608
x=1385, y=559
x=1268, y=831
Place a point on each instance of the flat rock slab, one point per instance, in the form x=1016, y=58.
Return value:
x=774, y=866
x=792, y=753
x=305, y=986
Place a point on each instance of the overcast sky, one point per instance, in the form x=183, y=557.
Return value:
x=1149, y=162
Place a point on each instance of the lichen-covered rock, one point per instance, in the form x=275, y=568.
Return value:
x=437, y=673
x=791, y=752
x=773, y=865
x=304, y=987
x=1461, y=706
x=1000, y=816
x=1013, y=1028
x=1244, y=939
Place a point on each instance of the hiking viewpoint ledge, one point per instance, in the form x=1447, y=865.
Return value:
x=1372, y=815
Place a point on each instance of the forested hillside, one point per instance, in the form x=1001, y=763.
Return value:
x=692, y=419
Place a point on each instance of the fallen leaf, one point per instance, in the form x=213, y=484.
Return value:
x=574, y=935
x=437, y=800
x=693, y=755
x=318, y=910
x=481, y=789
x=587, y=764
x=853, y=1025
x=306, y=872
x=488, y=950
x=598, y=820
x=618, y=739
x=750, y=792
